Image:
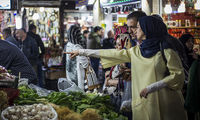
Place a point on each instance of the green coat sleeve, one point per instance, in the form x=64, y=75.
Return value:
x=113, y=57
x=176, y=78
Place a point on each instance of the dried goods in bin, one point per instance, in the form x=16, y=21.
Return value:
x=29, y=112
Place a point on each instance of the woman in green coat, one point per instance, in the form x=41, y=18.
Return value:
x=155, y=95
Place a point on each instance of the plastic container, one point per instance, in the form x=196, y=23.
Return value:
x=52, y=109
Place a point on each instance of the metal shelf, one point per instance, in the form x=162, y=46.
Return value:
x=198, y=27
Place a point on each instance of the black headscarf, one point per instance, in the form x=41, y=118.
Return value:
x=74, y=34
x=155, y=31
x=184, y=39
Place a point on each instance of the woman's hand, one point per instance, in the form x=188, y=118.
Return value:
x=144, y=93
x=73, y=53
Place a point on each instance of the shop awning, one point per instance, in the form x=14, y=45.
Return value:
x=41, y=3
x=119, y=2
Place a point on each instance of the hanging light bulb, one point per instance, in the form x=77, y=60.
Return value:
x=36, y=16
x=18, y=20
x=181, y=7
x=41, y=9
x=168, y=8
x=91, y=2
x=197, y=5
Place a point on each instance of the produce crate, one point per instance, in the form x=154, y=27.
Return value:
x=9, y=84
x=12, y=94
x=52, y=75
x=51, y=84
x=55, y=72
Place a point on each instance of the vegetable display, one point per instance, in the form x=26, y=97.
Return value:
x=28, y=96
x=75, y=101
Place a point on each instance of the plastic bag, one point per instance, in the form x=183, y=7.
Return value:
x=126, y=105
x=65, y=85
x=40, y=91
x=23, y=81
x=126, y=98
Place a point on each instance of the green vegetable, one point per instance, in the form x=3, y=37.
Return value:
x=76, y=101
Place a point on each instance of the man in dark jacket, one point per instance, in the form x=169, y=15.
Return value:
x=40, y=45
x=85, y=39
x=8, y=36
x=32, y=33
x=94, y=42
x=13, y=59
x=108, y=43
x=28, y=46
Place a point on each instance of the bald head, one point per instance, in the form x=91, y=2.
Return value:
x=110, y=34
x=20, y=34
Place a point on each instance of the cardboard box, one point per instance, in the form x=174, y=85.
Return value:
x=52, y=75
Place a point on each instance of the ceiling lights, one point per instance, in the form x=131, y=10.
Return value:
x=41, y=9
x=197, y=5
x=181, y=8
x=168, y=8
x=18, y=20
x=36, y=16
x=91, y=2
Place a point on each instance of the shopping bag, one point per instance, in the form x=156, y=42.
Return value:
x=116, y=99
x=65, y=85
x=92, y=81
x=117, y=95
x=126, y=98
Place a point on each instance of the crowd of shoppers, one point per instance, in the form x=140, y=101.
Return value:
x=156, y=70
x=12, y=58
x=147, y=60
x=25, y=56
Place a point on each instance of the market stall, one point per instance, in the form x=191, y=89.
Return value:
x=30, y=102
x=182, y=17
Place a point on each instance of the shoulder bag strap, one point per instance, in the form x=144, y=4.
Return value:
x=164, y=57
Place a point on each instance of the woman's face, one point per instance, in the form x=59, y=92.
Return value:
x=190, y=44
x=118, y=44
x=140, y=34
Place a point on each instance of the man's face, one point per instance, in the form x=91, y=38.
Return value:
x=112, y=34
x=132, y=27
x=19, y=34
x=34, y=31
x=140, y=34
x=100, y=33
x=86, y=35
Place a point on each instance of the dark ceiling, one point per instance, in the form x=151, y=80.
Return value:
x=42, y=3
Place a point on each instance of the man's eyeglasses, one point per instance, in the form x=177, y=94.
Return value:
x=132, y=27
